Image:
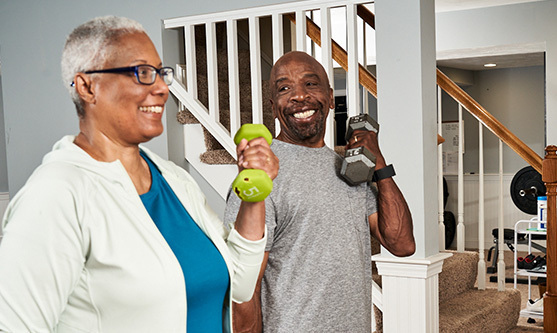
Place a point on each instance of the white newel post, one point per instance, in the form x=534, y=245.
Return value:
x=405, y=43
x=410, y=293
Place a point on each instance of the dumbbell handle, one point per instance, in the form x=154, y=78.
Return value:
x=359, y=163
x=252, y=185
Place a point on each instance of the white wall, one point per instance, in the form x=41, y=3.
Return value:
x=37, y=108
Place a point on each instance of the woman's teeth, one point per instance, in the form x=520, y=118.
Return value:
x=153, y=109
x=305, y=114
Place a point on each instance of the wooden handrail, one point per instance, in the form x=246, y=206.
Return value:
x=549, y=177
x=366, y=15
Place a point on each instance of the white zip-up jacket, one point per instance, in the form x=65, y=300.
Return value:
x=81, y=254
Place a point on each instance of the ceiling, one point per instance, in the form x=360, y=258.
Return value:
x=509, y=56
x=452, y=5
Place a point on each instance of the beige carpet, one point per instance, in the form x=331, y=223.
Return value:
x=523, y=325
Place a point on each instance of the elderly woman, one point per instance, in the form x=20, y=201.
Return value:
x=108, y=237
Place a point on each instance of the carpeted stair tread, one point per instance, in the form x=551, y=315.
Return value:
x=217, y=156
x=474, y=310
x=458, y=275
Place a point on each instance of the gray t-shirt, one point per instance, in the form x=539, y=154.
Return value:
x=318, y=277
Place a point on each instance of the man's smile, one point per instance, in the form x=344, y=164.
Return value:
x=304, y=114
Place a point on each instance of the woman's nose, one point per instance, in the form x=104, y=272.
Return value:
x=160, y=87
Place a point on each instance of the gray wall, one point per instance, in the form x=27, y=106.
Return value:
x=515, y=97
x=3, y=162
x=37, y=109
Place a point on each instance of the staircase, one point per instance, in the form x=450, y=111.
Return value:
x=464, y=308
x=215, y=152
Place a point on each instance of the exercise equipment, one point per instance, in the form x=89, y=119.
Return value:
x=252, y=185
x=526, y=186
x=358, y=165
x=508, y=239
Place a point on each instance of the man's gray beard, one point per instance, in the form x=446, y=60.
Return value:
x=307, y=132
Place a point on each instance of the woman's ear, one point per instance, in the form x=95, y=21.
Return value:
x=84, y=88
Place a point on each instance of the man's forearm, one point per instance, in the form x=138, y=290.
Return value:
x=394, y=219
x=247, y=316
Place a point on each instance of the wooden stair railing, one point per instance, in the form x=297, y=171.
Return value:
x=549, y=177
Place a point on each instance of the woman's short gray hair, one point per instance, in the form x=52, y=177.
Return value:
x=87, y=48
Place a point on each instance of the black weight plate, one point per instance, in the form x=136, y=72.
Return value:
x=450, y=228
x=526, y=186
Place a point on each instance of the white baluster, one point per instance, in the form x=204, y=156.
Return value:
x=352, y=77
x=460, y=228
x=278, y=36
x=327, y=62
x=212, y=71
x=189, y=44
x=440, y=196
x=481, y=213
x=233, y=74
x=278, y=49
x=255, y=68
x=301, y=30
x=501, y=256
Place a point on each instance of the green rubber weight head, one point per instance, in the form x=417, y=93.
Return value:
x=252, y=131
x=252, y=185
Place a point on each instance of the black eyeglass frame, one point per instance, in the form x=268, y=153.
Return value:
x=168, y=70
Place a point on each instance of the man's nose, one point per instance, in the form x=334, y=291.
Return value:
x=299, y=93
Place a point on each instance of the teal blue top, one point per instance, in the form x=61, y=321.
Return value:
x=205, y=271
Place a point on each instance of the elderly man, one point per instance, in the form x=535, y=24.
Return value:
x=316, y=274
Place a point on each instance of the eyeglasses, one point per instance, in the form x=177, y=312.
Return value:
x=145, y=74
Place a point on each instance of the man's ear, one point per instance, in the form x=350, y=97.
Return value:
x=331, y=99
x=84, y=88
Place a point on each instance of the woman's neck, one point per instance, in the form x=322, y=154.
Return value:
x=103, y=149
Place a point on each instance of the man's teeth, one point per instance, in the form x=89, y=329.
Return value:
x=305, y=114
x=153, y=109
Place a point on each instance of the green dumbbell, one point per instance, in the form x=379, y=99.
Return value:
x=252, y=185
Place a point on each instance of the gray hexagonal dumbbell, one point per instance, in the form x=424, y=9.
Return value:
x=358, y=165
